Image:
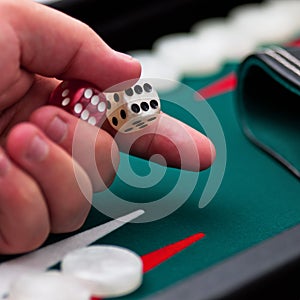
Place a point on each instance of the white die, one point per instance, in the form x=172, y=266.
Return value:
x=134, y=108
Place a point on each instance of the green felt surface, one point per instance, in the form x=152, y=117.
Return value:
x=257, y=198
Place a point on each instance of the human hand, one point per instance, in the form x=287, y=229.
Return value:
x=43, y=188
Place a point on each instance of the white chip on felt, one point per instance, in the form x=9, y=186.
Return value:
x=210, y=25
x=109, y=271
x=189, y=54
x=48, y=286
x=235, y=46
x=263, y=23
x=161, y=73
x=288, y=9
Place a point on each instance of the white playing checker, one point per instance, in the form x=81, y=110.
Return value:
x=188, y=54
x=109, y=271
x=165, y=75
x=289, y=9
x=263, y=23
x=48, y=286
x=235, y=46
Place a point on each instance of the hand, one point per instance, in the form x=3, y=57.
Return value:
x=43, y=188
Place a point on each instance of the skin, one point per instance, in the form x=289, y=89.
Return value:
x=43, y=187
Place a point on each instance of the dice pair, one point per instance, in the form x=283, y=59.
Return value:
x=127, y=111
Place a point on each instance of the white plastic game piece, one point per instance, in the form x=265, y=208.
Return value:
x=289, y=9
x=48, y=286
x=210, y=25
x=165, y=75
x=109, y=271
x=188, y=54
x=261, y=22
x=235, y=46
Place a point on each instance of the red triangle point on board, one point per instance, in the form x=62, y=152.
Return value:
x=294, y=43
x=155, y=258
x=228, y=82
x=221, y=86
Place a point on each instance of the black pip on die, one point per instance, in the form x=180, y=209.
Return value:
x=134, y=108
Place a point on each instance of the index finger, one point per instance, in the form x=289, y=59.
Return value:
x=168, y=141
x=54, y=44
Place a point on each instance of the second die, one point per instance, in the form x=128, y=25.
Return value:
x=81, y=99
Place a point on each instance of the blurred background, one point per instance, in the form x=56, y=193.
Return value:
x=135, y=24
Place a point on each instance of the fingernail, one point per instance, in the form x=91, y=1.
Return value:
x=37, y=149
x=4, y=164
x=124, y=55
x=57, y=130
